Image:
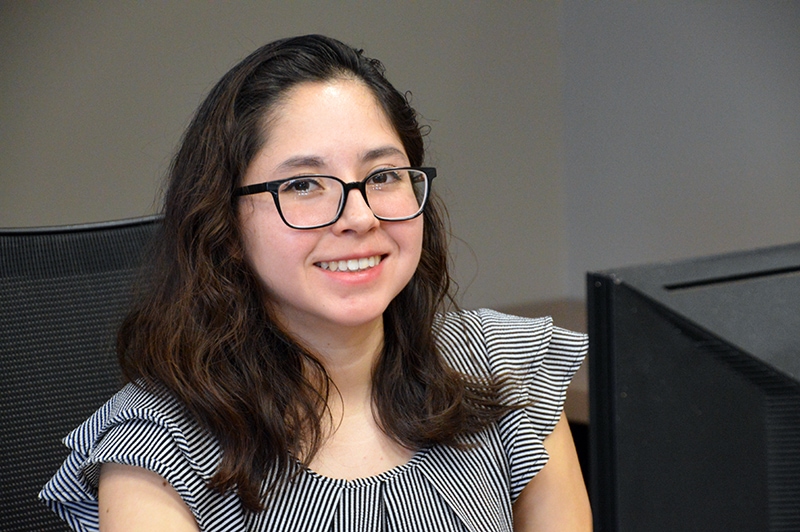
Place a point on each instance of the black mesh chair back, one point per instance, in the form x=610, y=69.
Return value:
x=63, y=294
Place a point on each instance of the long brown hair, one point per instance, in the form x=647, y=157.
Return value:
x=202, y=328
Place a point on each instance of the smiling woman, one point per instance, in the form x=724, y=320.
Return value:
x=291, y=362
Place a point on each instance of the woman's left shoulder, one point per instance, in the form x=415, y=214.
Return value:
x=534, y=362
x=505, y=342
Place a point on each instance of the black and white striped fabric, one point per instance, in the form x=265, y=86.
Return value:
x=440, y=488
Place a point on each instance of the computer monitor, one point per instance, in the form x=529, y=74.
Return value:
x=694, y=372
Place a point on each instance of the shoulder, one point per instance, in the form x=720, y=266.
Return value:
x=486, y=342
x=533, y=361
x=146, y=426
x=141, y=414
x=143, y=426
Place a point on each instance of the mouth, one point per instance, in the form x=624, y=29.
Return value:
x=351, y=265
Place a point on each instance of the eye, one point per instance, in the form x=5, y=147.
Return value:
x=302, y=186
x=387, y=177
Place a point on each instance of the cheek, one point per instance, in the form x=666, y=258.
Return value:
x=250, y=239
x=259, y=245
x=419, y=233
x=412, y=241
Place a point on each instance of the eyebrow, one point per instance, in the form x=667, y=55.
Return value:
x=301, y=161
x=311, y=161
x=377, y=153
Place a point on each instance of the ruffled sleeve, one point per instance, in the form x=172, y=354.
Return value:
x=147, y=429
x=536, y=362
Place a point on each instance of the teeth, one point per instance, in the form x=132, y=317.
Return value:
x=352, y=265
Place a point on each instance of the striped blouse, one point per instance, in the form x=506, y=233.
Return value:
x=440, y=488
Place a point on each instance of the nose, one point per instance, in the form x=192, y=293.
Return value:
x=356, y=215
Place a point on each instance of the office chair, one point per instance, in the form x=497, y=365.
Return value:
x=63, y=294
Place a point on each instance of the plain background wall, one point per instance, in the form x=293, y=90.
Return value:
x=683, y=130
x=569, y=135
x=96, y=94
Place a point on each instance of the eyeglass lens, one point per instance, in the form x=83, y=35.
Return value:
x=395, y=194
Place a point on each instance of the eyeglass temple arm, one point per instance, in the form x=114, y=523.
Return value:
x=252, y=189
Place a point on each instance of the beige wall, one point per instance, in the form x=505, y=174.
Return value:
x=569, y=135
x=95, y=96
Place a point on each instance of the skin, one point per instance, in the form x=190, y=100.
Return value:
x=337, y=128
x=334, y=128
x=135, y=499
x=555, y=500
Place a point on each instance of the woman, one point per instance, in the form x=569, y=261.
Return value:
x=288, y=367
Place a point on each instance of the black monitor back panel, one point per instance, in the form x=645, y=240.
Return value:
x=695, y=390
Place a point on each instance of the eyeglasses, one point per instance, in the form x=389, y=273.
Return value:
x=313, y=201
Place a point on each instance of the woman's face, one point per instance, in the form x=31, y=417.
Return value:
x=335, y=128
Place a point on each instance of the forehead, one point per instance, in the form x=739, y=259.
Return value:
x=334, y=123
x=323, y=99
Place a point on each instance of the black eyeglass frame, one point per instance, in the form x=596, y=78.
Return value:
x=273, y=187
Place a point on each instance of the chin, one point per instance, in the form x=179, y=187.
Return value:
x=357, y=318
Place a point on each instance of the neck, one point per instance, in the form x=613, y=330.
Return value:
x=348, y=355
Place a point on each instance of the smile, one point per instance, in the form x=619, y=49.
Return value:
x=352, y=265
